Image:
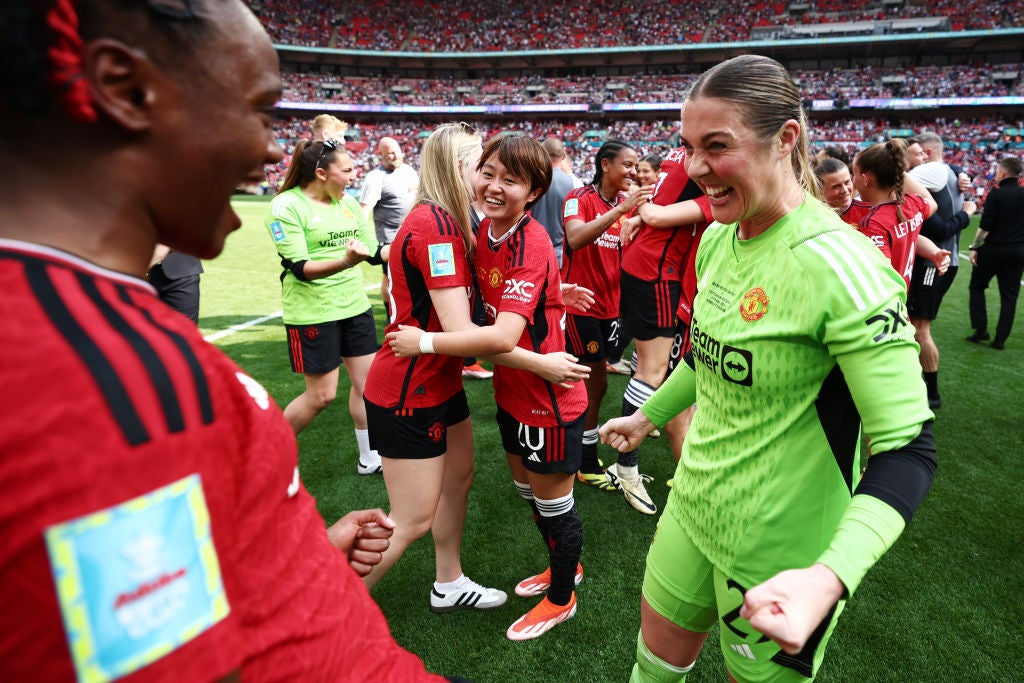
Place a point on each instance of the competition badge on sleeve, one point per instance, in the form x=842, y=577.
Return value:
x=137, y=580
x=442, y=260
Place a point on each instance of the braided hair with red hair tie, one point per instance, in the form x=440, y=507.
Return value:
x=65, y=56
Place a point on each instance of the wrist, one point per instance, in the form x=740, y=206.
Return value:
x=427, y=342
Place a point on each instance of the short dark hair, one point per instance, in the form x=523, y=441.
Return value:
x=1011, y=165
x=827, y=166
x=524, y=157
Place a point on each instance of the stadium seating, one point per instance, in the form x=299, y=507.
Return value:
x=492, y=25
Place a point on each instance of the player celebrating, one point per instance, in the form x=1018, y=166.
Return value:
x=592, y=217
x=655, y=264
x=177, y=544
x=894, y=221
x=837, y=190
x=541, y=423
x=760, y=533
x=321, y=236
x=416, y=407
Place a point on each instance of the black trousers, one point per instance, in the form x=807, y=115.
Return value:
x=1006, y=264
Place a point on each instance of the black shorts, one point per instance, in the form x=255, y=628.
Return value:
x=649, y=308
x=414, y=433
x=544, y=450
x=680, y=344
x=319, y=348
x=590, y=339
x=927, y=288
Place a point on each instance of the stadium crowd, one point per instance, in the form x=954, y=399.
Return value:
x=975, y=80
x=975, y=145
x=466, y=25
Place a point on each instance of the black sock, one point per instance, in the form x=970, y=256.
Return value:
x=564, y=550
x=931, y=381
x=637, y=393
x=543, y=524
x=588, y=461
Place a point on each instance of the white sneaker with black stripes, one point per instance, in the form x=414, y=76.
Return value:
x=467, y=594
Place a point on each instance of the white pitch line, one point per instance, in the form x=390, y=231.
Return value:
x=256, y=321
x=241, y=326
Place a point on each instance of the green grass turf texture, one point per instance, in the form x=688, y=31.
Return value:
x=943, y=605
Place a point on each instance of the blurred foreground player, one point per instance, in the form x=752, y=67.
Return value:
x=154, y=524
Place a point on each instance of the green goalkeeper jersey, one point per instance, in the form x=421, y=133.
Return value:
x=304, y=230
x=793, y=332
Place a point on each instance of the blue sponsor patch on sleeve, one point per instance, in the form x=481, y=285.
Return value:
x=137, y=580
x=442, y=259
x=277, y=231
x=572, y=207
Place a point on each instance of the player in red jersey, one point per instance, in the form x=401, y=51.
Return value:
x=592, y=217
x=541, y=422
x=655, y=253
x=899, y=205
x=416, y=407
x=155, y=527
x=837, y=190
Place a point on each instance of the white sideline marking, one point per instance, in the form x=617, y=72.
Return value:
x=241, y=326
x=256, y=321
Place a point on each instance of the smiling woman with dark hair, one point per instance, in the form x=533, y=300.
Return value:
x=155, y=527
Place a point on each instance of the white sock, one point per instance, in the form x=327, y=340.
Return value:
x=367, y=456
x=625, y=472
x=451, y=585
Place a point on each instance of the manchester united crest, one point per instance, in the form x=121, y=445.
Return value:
x=754, y=305
x=312, y=333
x=435, y=432
x=494, y=278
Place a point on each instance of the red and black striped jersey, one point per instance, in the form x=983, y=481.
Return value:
x=661, y=253
x=428, y=253
x=596, y=265
x=520, y=275
x=153, y=521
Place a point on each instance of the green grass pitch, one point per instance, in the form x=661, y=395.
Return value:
x=943, y=605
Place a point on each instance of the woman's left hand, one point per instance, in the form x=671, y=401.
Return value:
x=405, y=342
x=575, y=296
x=790, y=605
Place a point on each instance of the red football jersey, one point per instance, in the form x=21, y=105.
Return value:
x=897, y=239
x=660, y=254
x=154, y=524
x=688, y=291
x=596, y=265
x=428, y=253
x=855, y=212
x=520, y=275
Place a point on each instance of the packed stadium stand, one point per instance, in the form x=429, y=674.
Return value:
x=868, y=69
x=494, y=25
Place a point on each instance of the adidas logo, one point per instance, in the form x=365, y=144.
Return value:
x=534, y=457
